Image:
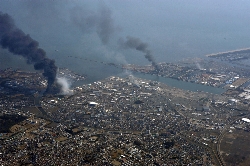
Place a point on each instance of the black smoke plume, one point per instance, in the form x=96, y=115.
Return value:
x=136, y=43
x=19, y=43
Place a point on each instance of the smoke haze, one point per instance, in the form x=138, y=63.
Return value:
x=100, y=21
x=17, y=42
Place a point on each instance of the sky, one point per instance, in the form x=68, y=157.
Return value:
x=171, y=30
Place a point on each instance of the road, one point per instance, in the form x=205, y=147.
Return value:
x=226, y=129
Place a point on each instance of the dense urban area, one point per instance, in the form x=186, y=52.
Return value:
x=124, y=121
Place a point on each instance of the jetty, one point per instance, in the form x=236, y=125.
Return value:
x=243, y=50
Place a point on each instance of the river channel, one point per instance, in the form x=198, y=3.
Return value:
x=170, y=82
x=181, y=84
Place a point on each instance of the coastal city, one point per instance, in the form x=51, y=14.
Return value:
x=127, y=120
x=124, y=83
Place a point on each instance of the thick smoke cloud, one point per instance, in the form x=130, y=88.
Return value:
x=136, y=43
x=19, y=43
x=101, y=22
